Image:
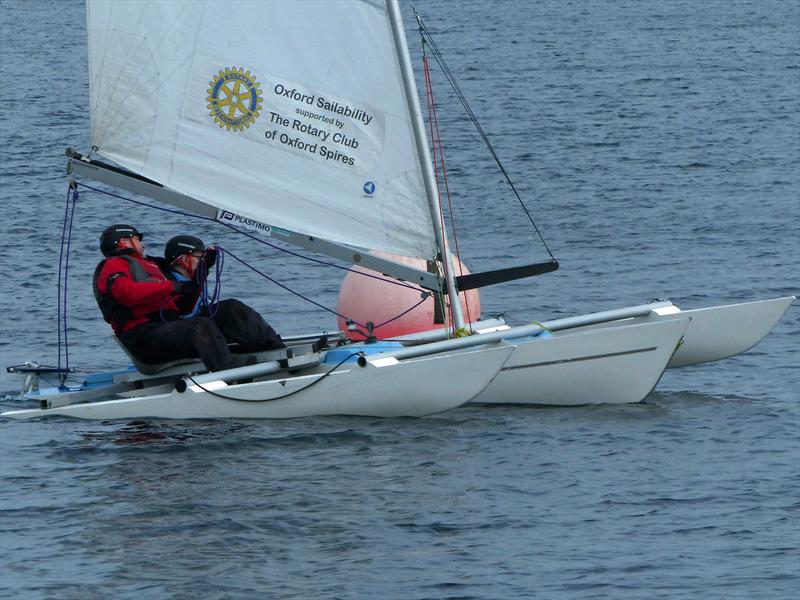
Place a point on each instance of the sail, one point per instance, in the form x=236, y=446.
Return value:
x=288, y=113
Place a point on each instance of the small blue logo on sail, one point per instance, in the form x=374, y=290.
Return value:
x=234, y=99
x=369, y=188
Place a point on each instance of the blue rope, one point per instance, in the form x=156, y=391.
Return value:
x=75, y=198
x=63, y=276
x=211, y=301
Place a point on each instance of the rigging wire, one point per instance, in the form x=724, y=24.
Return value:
x=436, y=142
x=449, y=309
x=288, y=289
x=437, y=54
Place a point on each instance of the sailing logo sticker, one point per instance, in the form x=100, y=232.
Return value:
x=234, y=99
x=369, y=188
x=225, y=216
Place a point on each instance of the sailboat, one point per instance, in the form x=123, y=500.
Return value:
x=303, y=120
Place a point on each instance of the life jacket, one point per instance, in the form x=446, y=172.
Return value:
x=116, y=314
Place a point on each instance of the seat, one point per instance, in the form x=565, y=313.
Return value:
x=195, y=365
x=190, y=364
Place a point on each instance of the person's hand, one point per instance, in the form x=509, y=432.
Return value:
x=210, y=256
x=189, y=289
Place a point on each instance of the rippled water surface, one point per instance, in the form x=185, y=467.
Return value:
x=657, y=145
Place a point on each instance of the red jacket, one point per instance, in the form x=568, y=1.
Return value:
x=141, y=301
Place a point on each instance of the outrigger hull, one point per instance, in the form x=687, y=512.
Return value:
x=384, y=387
x=715, y=332
x=723, y=331
x=618, y=365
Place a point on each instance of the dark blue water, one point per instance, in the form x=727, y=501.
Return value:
x=658, y=147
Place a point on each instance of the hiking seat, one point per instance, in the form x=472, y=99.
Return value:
x=195, y=365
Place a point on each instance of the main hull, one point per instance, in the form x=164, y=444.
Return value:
x=617, y=365
x=382, y=388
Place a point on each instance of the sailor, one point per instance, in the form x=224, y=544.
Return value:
x=238, y=322
x=142, y=306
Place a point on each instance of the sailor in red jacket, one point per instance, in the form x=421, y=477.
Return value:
x=140, y=303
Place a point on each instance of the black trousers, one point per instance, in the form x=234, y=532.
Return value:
x=203, y=337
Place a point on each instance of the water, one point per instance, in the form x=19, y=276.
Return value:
x=657, y=147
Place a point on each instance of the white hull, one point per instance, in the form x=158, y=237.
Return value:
x=616, y=365
x=723, y=331
x=606, y=362
x=716, y=332
x=411, y=388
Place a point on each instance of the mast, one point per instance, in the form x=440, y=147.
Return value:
x=426, y=164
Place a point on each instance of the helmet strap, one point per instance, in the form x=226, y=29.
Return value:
x=184, y=263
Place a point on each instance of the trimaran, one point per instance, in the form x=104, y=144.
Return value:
x=228, y=111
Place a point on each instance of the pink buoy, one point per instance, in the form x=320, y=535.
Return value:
x=365, y=299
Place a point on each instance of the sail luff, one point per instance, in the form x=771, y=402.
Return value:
x=421, y=142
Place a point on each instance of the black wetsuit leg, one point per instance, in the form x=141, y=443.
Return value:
x=241, y=324
x=197, y=337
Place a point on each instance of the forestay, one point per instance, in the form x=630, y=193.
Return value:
x=289, y=113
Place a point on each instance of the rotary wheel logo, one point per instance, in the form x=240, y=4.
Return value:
x=234, y=99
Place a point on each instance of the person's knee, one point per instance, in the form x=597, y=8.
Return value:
x=235, y=304
x=205, y=329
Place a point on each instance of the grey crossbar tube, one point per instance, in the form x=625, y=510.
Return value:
x=524, y=331
x=248, y=372
x=605, y=316
x=441, y=334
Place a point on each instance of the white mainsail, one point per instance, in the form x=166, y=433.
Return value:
x=289, y=113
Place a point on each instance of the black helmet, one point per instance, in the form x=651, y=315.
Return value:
x=182, y=244
x=113, y=234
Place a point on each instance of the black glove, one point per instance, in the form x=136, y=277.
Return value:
x=210, y=256
x=186, y=288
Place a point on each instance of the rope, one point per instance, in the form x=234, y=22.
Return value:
x=436, y=141
x=63, y=271
x=302, y=389
x=438, y=192
x=60, y=275
x=211, y=301
x=425, y=296
x=291, y=291
x=437, y=54
x=75, y=198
